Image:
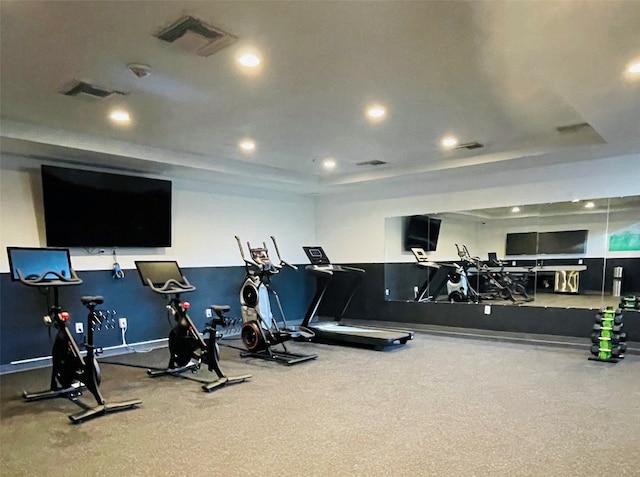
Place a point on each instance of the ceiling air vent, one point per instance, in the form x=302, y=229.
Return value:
x=469, y=145
x=374, y=162
x=194, y=36
x=571, y=128
x=80, y=88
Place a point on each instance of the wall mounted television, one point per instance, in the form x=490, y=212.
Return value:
x=547, y=243
x=421, y=231
x=85, y=208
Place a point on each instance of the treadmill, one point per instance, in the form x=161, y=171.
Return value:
x=333, y=331
x=437, y=279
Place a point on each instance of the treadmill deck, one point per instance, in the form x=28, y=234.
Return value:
x=378, y=338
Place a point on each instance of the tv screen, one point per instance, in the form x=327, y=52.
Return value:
x=549, y=243
x=566, y=242
x=421, y=231
x=97, y=209
x=525, y=243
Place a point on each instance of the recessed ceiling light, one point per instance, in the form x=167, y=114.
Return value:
x=247, y=145
x=515, y=209
x=449, y=141
x=250, y=60
x=329, y=163
x=120, y=117
x=376, y=112
x=589, y=205
x=634, y=68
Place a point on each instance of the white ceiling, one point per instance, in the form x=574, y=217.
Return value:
x=505, y=74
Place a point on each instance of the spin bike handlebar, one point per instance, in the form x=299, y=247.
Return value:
x=45, y=279
x=172, y=286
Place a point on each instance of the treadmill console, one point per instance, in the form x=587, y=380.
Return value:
x=317, y=256
x=420, y=254
x=422, y=258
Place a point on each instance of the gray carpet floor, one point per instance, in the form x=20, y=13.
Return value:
x=439, y=406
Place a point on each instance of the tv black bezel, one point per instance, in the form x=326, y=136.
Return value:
x=54, y=238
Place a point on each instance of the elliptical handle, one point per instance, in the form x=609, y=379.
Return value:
x=240, y=246
x=247, y=262
x=282, y=262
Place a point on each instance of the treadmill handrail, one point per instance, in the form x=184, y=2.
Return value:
x=320, y=269
x=350, y=269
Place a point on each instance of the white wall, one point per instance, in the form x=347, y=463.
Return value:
x=351, y=225
x=206, y=217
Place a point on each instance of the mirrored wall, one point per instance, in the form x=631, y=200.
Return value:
x=561, y=254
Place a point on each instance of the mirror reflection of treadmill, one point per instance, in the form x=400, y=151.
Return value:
x=333, y=331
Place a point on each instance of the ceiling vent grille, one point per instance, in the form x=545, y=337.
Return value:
x=82, y=89
x=374, y=162
x=194, y=36
x=469, y=145
x=571, y=128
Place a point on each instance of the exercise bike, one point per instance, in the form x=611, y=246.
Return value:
x=187, y=348
x=260, y=330
x=71, y=373
x=515, y=287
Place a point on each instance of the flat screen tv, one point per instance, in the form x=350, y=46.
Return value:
x=547, y=243
x=96, y=209
x=564, y=242
x=523, y=243
x=421, y=231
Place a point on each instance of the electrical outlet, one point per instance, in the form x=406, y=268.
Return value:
x=207, y=312
x=79, y=328
x=487, y=309
x=122, y=322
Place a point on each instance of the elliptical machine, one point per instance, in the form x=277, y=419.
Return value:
x=71, y=373
x=187, y=349
x=260, y=330
x=500, y=284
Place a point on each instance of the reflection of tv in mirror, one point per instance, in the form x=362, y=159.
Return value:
x=421, y=231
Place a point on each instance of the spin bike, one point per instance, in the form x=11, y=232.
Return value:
x=187, y=348
x=71, y=373
x=260, y=330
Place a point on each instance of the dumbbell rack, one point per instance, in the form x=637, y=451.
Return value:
x=609, y=341
x=630, y=302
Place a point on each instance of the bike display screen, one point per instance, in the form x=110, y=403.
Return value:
x=159, y=272
x=34, y=262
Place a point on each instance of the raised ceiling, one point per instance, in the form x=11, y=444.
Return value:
x=505, y=74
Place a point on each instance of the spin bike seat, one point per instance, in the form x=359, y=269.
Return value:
x=94, y=299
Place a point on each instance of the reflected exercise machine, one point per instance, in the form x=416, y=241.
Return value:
x=440, y=277
x=334, y=331
x=71, y=373
x=187, y=348
x=260, y=331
